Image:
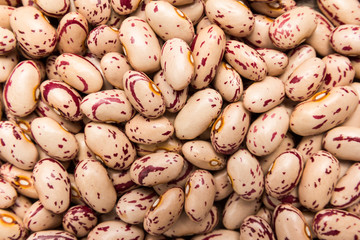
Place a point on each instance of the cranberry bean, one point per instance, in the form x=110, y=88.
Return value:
x=7, y=64
x=8, y=194
x=79, y=220
x=222, y=185
x=5, y=13
x=255, y=227
x=51, y=234
x=21, y=205
x=309, y=145
x=194, y=10
x=124, y=8
x=96, y=13
x=273, y=8
x=275, y=60
x=115, y=229
x=11, y=226
x=103, y=39
x=340, y=12
x=259, y=36
x=55, y=8
x=218, y=234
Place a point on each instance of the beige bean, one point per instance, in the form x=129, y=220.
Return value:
x=218, y=234
x=203, y=23
x=7, y=64
x=7, y=41
x=171, y=145
x=255, y=227
x=51, y=234
x=345, y=39
x=323, y=111
x=121, y=180
x=262, y=96
x=228, y=83
x=115, y=229
x=103, y=39
x=8, y=194
x=74, y=191
x=5, y=13
x=246, y=176
x=352, y=121
x=135, y=34
x=79, y=220
x=114, y=65
x=274, y=8
x=354, y=209
x=164, y=212
x=21, y=205
x=289, y=223
x=259, y=36
x=95, y=186
x=96, y=13
x=125, y=8
x=199, y=195
x=292, y=198
x=309, y=145
x=355, y=62
x=50, y=68
x=11, y=226
x=52, y=184
x=207, y=104
x=208, y=49
x=275, y=60
x=180, y=2
x=202, y=155
x=55, y=9
x=340, y=12
x=265, y=214
x=318, y=181
x=222, y=185
x=194, y=10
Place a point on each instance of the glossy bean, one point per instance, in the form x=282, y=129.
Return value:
x=194, y=10
x=255, y=227
x=5, y=13
x=222, y=185
x=11, y=226
x=114, y=65
x=115, y=229
x=309, y=145
x=275, y=60
x=56, y=9
x=96, y=13
x=124, y=8
x=78, y=220
x=7, y=64
x=339, y=12
x=121, y=180
x=21, y=205
x=103, y=39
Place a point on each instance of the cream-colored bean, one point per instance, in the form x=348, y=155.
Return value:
x=203, y=23
x=171, y=145
x=206, y=104
x=228, y=83
x=121, y=180
x=309, y=145
x=289, y=223
x=74, y=191
x=218, y=234
x=156, y=168
x=180, y=2
x=324, y=111
x=340, y=12
x=222, y=185
x=273, y=8
x=125, y=8
x=318, y=181
x=5, y=13
x=51, y=234
x=267, y=131
x=255, y=227
x=135, y=34
x=79, y=220
x=11, y=226
x=355, y=62
x=262, y=96
x=34, y=33
x=55, y=9
x=236, y=210
x=345, y=39
x=164, y=212
x=265, y=214
x=8, y=194
x=331, y=224
x=259, y=37
x=96, y=13
x=7, y=41
x=246, y=176
x=245, y=60
x=115, y=229
x=194, y=11
x=95, y=186
x=352, y=121
x=103, y=39
x=292, y=198
x=110, y=145
x=354, y=209
x=21, y=206
x=115, y=19
x=7, y=64
x=208, y=49
x=23, y=122
x=52, y=184
x=275, y=60
x=38, y=218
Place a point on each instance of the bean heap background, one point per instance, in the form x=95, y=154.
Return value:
x=184, y=119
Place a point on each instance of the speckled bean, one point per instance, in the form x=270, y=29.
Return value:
x=55, y=8
x=259, y=36
x=275, y=60
x=20, y=206
x=8, y=194
x=171, y=145
x=121, y=180
x=136, y=33
x=38, y=218
x=116, y=151
x=318, y=181
x=292, y=198
x=194, y=10
x=11, y=226
x=79, y=73
x=352, y=121
x=5, y=13
x=16, y=147
x=96, y=13
x=103, y=39
x=115, y=229
x=222, y=185
x=218, y=234
x=246, y=176
x=340, y=12
x=125, y=8
x=228, y=83
x=34, y=33
x=95, y=186
x=51, y=234
x=262, y=96
x=7, y=64
x=267, y=131
x=331, y=224
x=289, y=223
x=52, y=184
x=323, y=111
x=309, y=145
x=245, y=60
x=7, y=41
x=208, y=49
x=207, y=104
x=255, y=227
x=272, y=8
x=114, y=65
x=79, y=220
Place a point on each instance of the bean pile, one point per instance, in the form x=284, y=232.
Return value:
x=179, y=119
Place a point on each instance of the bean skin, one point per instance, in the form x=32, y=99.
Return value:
x=11, y=227
x=79, y=220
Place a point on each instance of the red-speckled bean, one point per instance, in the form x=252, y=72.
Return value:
x=255, y=227
x=207, y=104
x=121, y=180
x=345, y=39
x=262, y=96
x=79, y=73
x=228, y=83
x=143, y=94
x=246, y=176
x=265, y=214
x=164, y=212
x=305, y=80
x=353, y=119
x=245, y=60
x=222, y=185
x=103, y=39
x=95, y=186
x=218, y=234
x=107, y=106
x=293, y=27
x=343, y=142
x=275, y=60
x=318, y=181
x=324, y=111
x=52, y=184
x=202, y=155
x=7, y=41
x=11, y=226
x=156, y=168
x=52, y=234
x=38, y=218
x=116, y=151
x=8, y=194
x=208, y=49
x=171, y=145
x=292, y=198
x=194, y=10
x=340, y=12
x=180, y=2
x=284, y=174
x=115, y=230
x=7, y=64
x=333, y=224
x=5, y=13
x=125, y=7
x=168, y=21
x=16, y=147
x=272, y=8
x=20, y=206
x=35, y=35
x=309, y=145
x=96, y=13
x=23, y=81
x=199, y=195
x=63, y=145
x=289, y=223
x=236, y=210
x=267, y=131
x=184, y=226
x=55, y=8
x=79, y=220
x=136, y=33
x=259, y=37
